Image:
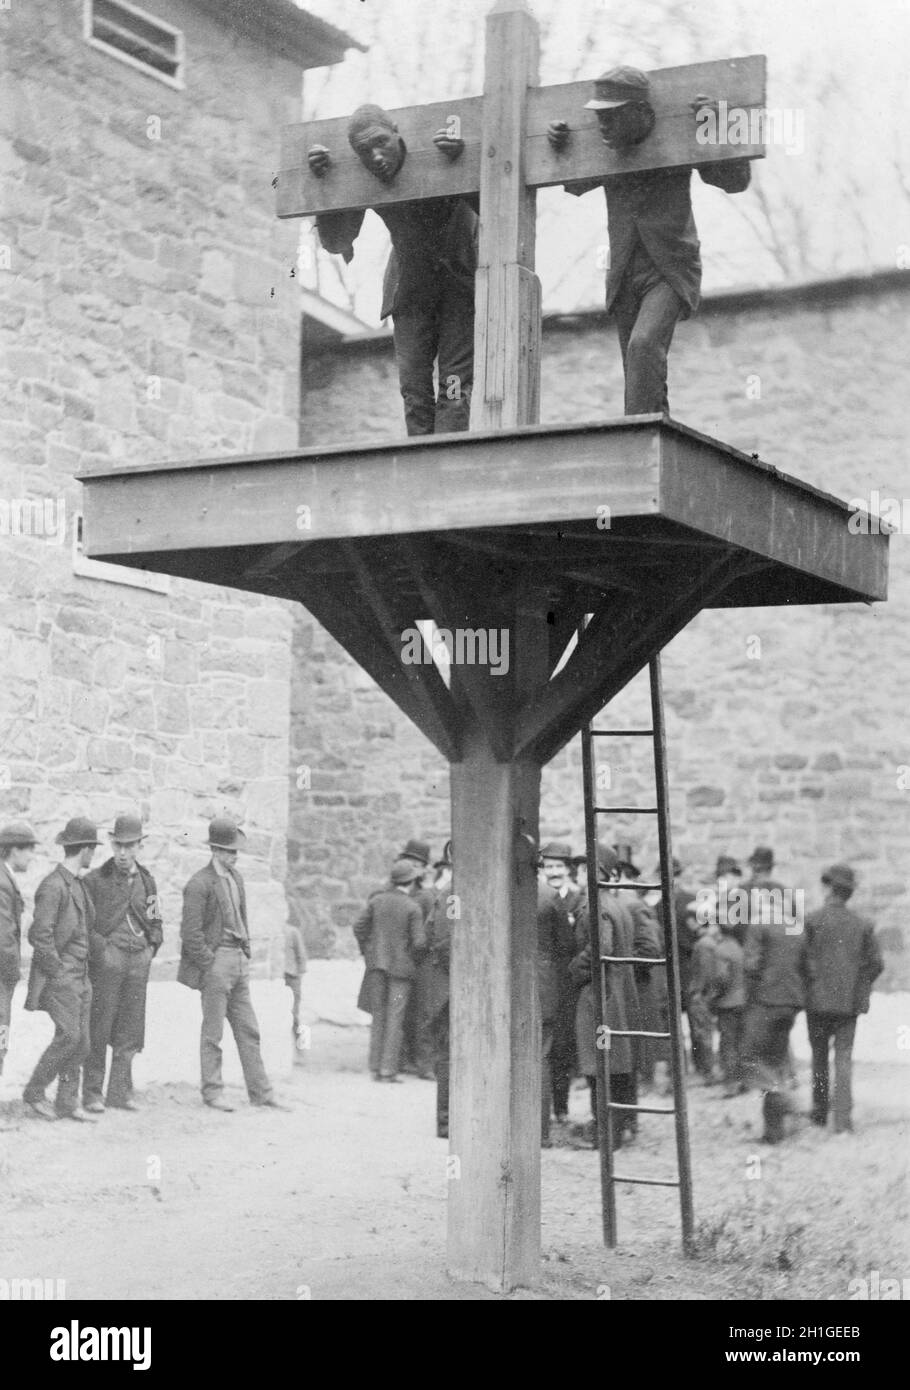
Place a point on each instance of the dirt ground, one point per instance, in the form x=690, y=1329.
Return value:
x=344, y=1197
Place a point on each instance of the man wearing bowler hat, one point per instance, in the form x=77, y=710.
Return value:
x=214, y=959
x=390, y=932
x=17, y=845
x=654, y=276
x=59, y=981
x=841, y=960
x=125, y=937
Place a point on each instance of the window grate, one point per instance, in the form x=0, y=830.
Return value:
x=137, y=38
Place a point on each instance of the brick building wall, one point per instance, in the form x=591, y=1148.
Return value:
x=147, y=313
x=798, y=740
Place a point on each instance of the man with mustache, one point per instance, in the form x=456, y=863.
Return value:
x=428, y=288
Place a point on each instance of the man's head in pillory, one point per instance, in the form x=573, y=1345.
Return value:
x=374, y=138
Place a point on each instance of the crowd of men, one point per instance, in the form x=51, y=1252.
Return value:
x=744, y=975
x=747, y=966
x=94, y=934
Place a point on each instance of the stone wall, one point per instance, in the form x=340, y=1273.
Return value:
x=797, y=740
x=148, y=312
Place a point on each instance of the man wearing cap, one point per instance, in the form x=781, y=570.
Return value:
x=556, y=859
x=214, y=958
x=59, y=981
x=17, y=845
x=390, y=932
x=841, y=960
x=428, y=287
x=123, y=941
x=417, y=1050
x=654, y=277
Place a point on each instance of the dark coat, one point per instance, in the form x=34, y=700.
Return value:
x=430, y=240
x=439, y=949
x=109, y=890
x=207, y=914
x=841, y=959
x=390, y=932
x=11, y=908
x=62, y=915
x=773, y=966
x=619, y=935
x=654, y=207
x=730, y=985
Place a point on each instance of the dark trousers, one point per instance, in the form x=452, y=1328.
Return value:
x=417, y=1038
x=730, y=1030
x=624, y=1091
x=442, y=331
x=390, y=1002
x=823, y=1028
x=546, y=1049
x=562, y=1055
x=6, y=1012
x=117, y=1021
x=766, y=1036
x=701, y=1035
x=68, y=1001
x=226, y=995
x=442, y=1065
x=646, y=310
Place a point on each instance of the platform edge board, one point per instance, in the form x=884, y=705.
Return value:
x=805, y=530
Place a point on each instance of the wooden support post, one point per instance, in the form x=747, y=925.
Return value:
x=507, y=296
x=495, y=1106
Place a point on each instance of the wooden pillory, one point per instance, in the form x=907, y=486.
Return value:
x=497, y=530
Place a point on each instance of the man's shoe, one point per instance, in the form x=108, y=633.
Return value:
x=271, y=1104
x=442, y=1131
x=392, y=1080
x=42, y=1108
x=94, y=1107
x=219, y=1104
x=121, y=1105
x=83, y=1117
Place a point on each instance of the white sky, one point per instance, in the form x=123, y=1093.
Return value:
x=843, y=204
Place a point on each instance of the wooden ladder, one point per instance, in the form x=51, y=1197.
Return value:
x=606, y=1106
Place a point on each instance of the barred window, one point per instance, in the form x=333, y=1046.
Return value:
x=135, y=37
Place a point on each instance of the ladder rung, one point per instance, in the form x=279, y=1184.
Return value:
x=633, y=1033
x=642, y=1109
x=622, y=733
x=626, y=810
x=635, y=960
x=649, y=1182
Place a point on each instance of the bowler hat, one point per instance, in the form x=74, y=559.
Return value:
x=18, y=835
x=617, y=87
x=840, y=876
x=404, y=871
x=557, y=849
x=416, y=849
x=77, y=832
x=225, y=833
x=608, y=861
x=726, y=865
x=762, y=857
x=127, y=829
